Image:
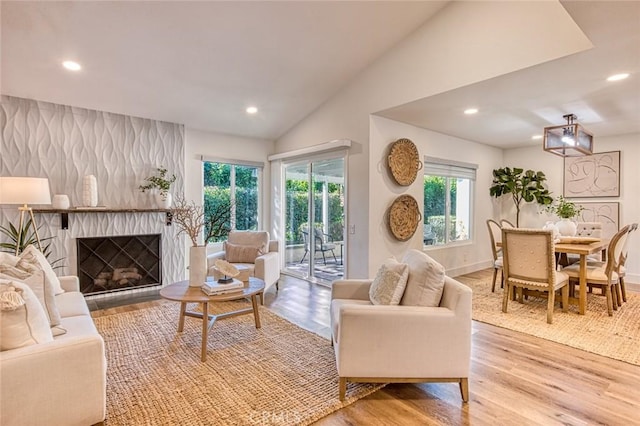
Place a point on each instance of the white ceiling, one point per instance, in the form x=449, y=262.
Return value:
x=199, y=63
x=203, y=63
x=516, y=106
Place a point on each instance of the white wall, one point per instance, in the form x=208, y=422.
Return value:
x=199, y=143
x=464, y=43
x=457, y=260
x=553, y=166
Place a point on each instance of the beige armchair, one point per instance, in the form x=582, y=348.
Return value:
x=255, y=251
x=401, y=343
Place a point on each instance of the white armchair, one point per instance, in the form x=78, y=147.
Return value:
x=255, y=251
x=401, y=344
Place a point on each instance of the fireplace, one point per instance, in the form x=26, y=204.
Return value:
x=109, y=264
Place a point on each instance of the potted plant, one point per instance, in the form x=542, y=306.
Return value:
x=18, y=241
x=524, y=186
x=162, y=183
x=191, y=219
x=565, y=210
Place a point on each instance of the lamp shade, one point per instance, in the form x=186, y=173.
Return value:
x=24, y=190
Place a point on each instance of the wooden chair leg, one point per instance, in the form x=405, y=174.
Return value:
x=550, y=304
x=565, y=298
x=464, y=389
x=607, y=291
x=343, y=388
x=495, y=275
x=505, y=297
x=623, y=289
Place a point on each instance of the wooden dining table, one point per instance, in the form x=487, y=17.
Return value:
x=583, y=250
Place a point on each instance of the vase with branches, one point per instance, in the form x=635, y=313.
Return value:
x=191, y=219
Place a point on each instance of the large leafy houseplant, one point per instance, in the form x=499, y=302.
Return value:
x=523, y=186
x=18, y=241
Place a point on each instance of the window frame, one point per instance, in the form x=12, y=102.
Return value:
x=259, y=166
x=449, y=170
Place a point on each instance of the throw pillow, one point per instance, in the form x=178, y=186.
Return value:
x=235, y=253
x=8, y=259
x=426, y=280
x=42, y=289
x=32, y=259
x=22, y=318
x=389, y=284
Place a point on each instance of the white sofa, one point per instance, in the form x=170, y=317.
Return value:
x=401, y=343
x=62, y=382
x=265, y=266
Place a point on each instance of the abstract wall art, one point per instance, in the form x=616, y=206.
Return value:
x=606, y=213
x=592, y=176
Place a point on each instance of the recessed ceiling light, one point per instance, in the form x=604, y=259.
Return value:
x=617, y=77
x=536, y=137
x=71, y=65
x=470, y=111
x=252, y=110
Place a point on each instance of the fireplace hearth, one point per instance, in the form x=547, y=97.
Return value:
x=110, y=264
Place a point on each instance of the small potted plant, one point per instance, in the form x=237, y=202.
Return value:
x=162, y=183
x=565, y=210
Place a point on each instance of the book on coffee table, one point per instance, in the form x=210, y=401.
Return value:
x=212, y=288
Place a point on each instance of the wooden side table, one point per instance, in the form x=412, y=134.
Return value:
x=183, y=293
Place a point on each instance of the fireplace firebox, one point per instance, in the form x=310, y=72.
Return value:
x=109, y=264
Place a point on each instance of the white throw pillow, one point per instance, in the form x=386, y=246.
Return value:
x=388, y=286
x=32, y=259
x=426, y=280
x=23, y=321
x=40, y=286
x=8, y=259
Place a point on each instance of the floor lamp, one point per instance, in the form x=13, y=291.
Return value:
x=25, y=191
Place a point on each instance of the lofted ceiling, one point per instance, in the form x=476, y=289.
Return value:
x=199, y=63
x=203, y=63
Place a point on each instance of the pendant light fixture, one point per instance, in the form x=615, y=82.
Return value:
x=568, y=140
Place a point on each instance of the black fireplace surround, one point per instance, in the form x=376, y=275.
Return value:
x=109, y=264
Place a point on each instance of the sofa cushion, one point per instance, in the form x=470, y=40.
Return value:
x=239, y=253
x=43, y=290
x=72, y=303
x=426, y=280
x=389, y=284
x=32, y=259
x=23, y=321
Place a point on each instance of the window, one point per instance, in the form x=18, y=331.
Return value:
x=448, y=198
x=236, y=185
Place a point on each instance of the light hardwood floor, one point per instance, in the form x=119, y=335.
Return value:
x=516, y=379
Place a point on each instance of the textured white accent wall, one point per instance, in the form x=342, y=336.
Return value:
x=65, y=143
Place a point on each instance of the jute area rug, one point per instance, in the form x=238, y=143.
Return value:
x=616, y=337
x=277, y=375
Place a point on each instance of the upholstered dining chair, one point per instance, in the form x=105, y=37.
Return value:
x=605, y=276
x=587, y=229
x=504, y=223
x=621, y=291
x=529, y=264
x=495, y=233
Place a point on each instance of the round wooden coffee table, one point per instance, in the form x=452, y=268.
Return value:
x=183, y=293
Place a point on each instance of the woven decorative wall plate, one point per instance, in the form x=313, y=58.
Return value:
x=404, y=217
x=404, y=161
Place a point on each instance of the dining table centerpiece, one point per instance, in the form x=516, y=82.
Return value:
x=191, y=219
x=566, y=211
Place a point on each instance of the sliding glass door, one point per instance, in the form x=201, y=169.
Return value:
x=314, y=203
